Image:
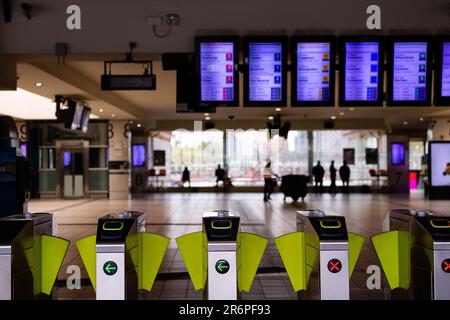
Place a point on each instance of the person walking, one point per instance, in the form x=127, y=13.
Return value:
x=269, y=181
x=318, y=172
x=333, y=172
x=344, y=173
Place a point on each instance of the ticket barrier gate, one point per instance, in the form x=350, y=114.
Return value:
x=414, y=252
x=321, y=256
x=122, y=258
x=30, y=256
x=221, y=260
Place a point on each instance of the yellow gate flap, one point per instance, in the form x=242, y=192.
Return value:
x=311, y=254
x=355, y=243
x=291, y=247
x=251, y=249
x=192, y=252
x=52, y=252
x=86, y=248
x=152, y=250
x=392, y=249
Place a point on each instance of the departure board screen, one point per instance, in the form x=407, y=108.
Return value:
x=265, y=68
x=361, y=81
x=409, y=82
x=445, y=78
x=217, y=71
x=313, y=71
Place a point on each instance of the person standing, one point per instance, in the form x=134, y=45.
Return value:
x=186, y=177
x=318, y=172
x=220, y=175
x=344, y=173
x=269, y=183
x=333, y=172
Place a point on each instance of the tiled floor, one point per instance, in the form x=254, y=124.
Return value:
x=175, y=214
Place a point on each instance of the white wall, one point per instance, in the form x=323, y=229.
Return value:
x=108, y=25
x=118, y=144
x=441, y=130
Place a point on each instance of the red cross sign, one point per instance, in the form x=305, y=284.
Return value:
x=334, y=265
x=445, y=265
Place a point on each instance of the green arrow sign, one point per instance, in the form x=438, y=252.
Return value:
x=110, y=268
x=222, y=266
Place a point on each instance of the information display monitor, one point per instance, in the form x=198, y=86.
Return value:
x=313, y=71
x=265, y=71
x=442, y=72
x=361, y=71
x=409, y=71
x=217, y=60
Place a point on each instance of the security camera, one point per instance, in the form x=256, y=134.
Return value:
x=26, y=10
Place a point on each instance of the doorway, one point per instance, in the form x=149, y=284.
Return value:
x=72, y=169
x=73, y=174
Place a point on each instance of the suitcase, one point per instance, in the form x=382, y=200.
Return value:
x=294, y=186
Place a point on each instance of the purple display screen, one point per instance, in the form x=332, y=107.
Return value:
x=138, y=153
x=440, y=164
x=410, y=71
x=24, y=149
x=217, y=71
x=397, y=153
x=265, y=71
x=67, y=158
x=313, y=71
x=445, y=80
x=361, y=71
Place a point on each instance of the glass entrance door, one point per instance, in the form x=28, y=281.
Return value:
x=73, y=169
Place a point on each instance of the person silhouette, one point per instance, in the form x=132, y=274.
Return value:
x=318, y=172
x=220, y=175
x=333, y=172
x=186, y=177
x=344, y=173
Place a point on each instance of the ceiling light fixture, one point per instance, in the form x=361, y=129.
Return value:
x=333, y=117
x=405, y=123
x=113, y=115
x=278, y=109
x=270, y=117
x=207, y=118
x=341, y=113
x=38, y=84
x=352, y=109
x=421, y=119
x=206, y=114
x=101, y=110
x=139, y=125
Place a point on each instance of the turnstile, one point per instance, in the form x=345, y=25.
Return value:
x=414, y=252
x=221, y=260
x=30, y=256
x=320, y=257
x=221, y=228
x=117, y=243
x=122, y=258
